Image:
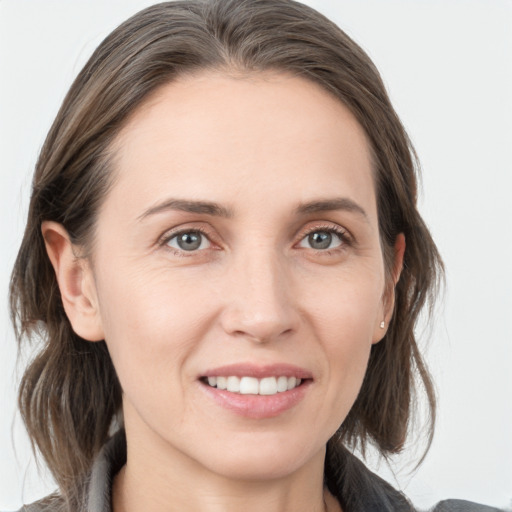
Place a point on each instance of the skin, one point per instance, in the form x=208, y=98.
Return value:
x=256, y=290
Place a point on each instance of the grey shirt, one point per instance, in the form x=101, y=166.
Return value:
x=355, y=486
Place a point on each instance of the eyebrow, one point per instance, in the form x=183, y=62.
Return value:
x=333, y=204
x=215, y=209
x=204, y=207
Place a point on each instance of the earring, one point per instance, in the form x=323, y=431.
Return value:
x=382, y=324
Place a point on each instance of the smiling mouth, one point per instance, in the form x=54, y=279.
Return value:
x=266, y=386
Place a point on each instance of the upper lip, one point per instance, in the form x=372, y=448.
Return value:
x=258, y=371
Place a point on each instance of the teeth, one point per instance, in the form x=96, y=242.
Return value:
x=249, y=386
x=268, y=386
x=282, y=384
x=253, y=386
x=233, y=384
x=222, y=383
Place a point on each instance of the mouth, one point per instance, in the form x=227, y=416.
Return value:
x=257, y=391
x=248, y=385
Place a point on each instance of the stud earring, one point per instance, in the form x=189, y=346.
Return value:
x=382, y=324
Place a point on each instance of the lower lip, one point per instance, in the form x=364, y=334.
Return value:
x=258, y=406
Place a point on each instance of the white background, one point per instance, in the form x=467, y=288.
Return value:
x=448, y=67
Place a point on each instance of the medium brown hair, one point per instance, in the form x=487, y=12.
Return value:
x=69, y=393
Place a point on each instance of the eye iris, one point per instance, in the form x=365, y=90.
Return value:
x=320, y=239
x=189, y=241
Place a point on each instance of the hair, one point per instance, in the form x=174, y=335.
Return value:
x=69, y=393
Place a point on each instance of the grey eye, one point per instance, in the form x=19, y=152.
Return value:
x=321, y=240
x=189, y=241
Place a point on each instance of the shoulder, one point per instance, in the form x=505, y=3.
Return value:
x=357, y=488
x=52, y=503
x=97, y=484
x=462, y=506
x=360, y=490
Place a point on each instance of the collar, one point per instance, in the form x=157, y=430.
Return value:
x=109, y=461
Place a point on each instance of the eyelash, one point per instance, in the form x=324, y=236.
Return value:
x=344, y=236
x=167, y=237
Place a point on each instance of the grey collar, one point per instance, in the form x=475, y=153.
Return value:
x=109, y=461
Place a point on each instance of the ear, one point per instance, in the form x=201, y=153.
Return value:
x=388, y=299
x=76, y=283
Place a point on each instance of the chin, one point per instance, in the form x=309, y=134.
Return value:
x=258, y=469
x=266, y=459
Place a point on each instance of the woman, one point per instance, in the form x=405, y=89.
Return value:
x=225, y=260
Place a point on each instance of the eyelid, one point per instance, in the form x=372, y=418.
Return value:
x=344, y=234
x=204, y=241
x=163, y=240
x=325, y=226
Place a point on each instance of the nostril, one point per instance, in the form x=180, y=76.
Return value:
x=262, y=337
x=258, y=320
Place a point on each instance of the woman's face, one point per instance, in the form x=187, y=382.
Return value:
x=239, y=247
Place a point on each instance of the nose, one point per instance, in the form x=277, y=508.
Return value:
x=259, y=302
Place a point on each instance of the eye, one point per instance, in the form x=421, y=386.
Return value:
x=189, y=241
x=322, y=239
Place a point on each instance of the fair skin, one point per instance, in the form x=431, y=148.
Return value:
x=280, y=274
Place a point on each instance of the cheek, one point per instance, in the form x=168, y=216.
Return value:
x=151, y=325
x=344, y=316
x=345, y=305
x=347, y=343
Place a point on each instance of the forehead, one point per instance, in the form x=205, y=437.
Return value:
x=214, y=134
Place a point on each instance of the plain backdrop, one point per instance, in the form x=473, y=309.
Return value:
x=448, y=67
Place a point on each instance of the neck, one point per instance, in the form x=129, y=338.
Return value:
x=157, y=478
x=130, y=494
